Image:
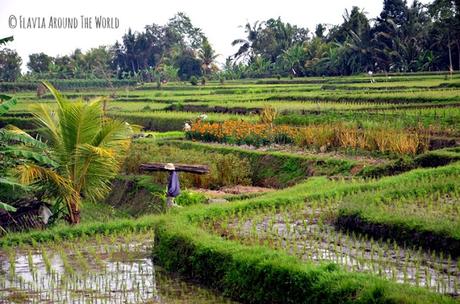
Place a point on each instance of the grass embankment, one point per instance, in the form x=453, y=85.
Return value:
x=423, y=211
x=256, y=274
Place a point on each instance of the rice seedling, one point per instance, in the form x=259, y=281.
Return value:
x=113, y=269
x=303, y=232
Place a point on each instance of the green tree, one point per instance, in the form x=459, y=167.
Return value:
x=446, y=28
x=387, y=34
x=294, y=59
x=169, y=72
x=188, y=65
x=320, y=30
x=39, y=63
x=86, y=149
x=10, y=65
x=207, y=56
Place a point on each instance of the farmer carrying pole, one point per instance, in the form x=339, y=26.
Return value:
x=173, y=180
x=173, y=185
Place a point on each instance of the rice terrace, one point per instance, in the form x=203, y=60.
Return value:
x=312, y=166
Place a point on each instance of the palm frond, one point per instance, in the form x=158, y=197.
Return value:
x=6, y=207
x=57, y=95
x=86, y=146
x=38, y=157
x=6, y=40
x=45, y=119
x=79, y=123
x=87, y=151
x=113, y=133
x=96, y=167
x=7, y=103
x=238, y=41
x=30, y=173
x=14, y=134
x=7, y=182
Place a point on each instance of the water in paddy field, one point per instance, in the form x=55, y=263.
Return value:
x=302, y=235
x=100, y=270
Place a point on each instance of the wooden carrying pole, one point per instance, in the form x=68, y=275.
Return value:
x=196, y=169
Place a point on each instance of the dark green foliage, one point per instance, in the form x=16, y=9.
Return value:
x=25, y=123
x=39, y=63
x=193, y=80
x=438, y=157
x=189, y=67
x=6, y=102
x=10, y=65
x=187, y=198
x=136, y=195
x=394, y=167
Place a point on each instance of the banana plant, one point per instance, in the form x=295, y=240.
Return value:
x=5, y=105
x=17, y=147
x=6, y=40
x=6, y=102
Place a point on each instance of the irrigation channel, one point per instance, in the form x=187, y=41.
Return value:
x=101, y=269
x=304, y=233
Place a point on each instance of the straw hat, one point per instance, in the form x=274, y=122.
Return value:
x=170, y=166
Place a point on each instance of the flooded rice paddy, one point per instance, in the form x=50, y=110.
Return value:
x=114, y=269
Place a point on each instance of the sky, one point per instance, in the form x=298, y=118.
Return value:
x=220, y=20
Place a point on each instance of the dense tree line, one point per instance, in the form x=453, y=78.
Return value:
x=403, y=38
x=176, y=50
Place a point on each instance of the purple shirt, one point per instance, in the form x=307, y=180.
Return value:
x=173, y=184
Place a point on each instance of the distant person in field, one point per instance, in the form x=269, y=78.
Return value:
x=173, y=186
x=371, y=74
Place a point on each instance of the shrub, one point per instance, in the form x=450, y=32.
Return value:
x=268, y=115
x=193, y=81
x=187, y=198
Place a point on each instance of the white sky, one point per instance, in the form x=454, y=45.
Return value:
x=219, y=20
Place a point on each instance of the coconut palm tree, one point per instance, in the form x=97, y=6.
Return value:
x=245, y=49
x=207, y=56
x=86, y=149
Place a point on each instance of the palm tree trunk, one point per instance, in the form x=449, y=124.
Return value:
x=450, y=55
x=458, y=53
x=74, y=212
